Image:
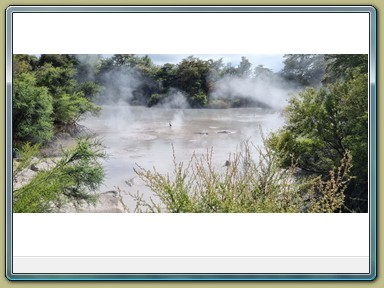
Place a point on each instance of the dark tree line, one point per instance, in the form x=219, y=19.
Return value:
x=149, y=84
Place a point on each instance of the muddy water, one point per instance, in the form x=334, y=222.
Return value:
x=144, y=136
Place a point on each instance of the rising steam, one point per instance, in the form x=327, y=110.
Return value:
x=266, y=92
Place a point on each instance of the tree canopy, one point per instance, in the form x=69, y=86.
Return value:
x=323, y=125
x=47, y=97
x=304, y=69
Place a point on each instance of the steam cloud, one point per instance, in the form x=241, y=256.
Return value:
x=120, y=86
x=268, y=92
x=174, y=99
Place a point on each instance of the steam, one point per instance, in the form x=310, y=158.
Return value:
x=87, y=66
x=266, y=92
x=177, y=121
x=174, y=99
x=120, y=86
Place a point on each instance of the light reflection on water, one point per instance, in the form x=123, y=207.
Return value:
x=145, y=136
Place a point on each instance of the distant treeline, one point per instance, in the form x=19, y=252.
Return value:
x=138, y=81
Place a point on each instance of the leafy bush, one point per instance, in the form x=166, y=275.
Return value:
x=32, y=109
x=200, y=99
x=70, y=107
x=89, y=89
x=322, y=125
x=71, y=179
x=246, y=186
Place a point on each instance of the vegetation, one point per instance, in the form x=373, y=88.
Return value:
x=32, y=116
x=137, y=81
x=322, y=125
x=246, y=186
x=305, y=69
x=47, y=98
x=72, y=178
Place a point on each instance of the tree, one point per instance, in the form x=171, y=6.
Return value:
x=127, y=77
x=120, y=60
x=229, y=70
x=68, y=100
x=339, y=65
x=47, y=97
x=215, y=69
x=244, y=68
x=23, y=63
x=32, y=111
x=89, y=89
x=199, y=100
x=304, y=69
x=58, y=80
x=166, y=76
x=58, y=60
x=86, y=67
x=192, y=77
x=322, y=125
x=262, y=73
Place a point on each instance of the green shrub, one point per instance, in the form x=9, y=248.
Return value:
x=70, y=107
x=246, y=186
x=200, y=99
x=32, y=110
x=322, y=125
x=71, y=179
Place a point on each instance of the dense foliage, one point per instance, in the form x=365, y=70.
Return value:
x=70, y=179
x=47, y=98
x=136, y=80
x=32, y=110
x=322, y=125
x=305, y=69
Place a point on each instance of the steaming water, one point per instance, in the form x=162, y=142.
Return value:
x=145, y=136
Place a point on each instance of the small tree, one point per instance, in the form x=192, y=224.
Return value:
x=304, y=69
x=322, y=125
x=32, y=111
x=199, y=100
